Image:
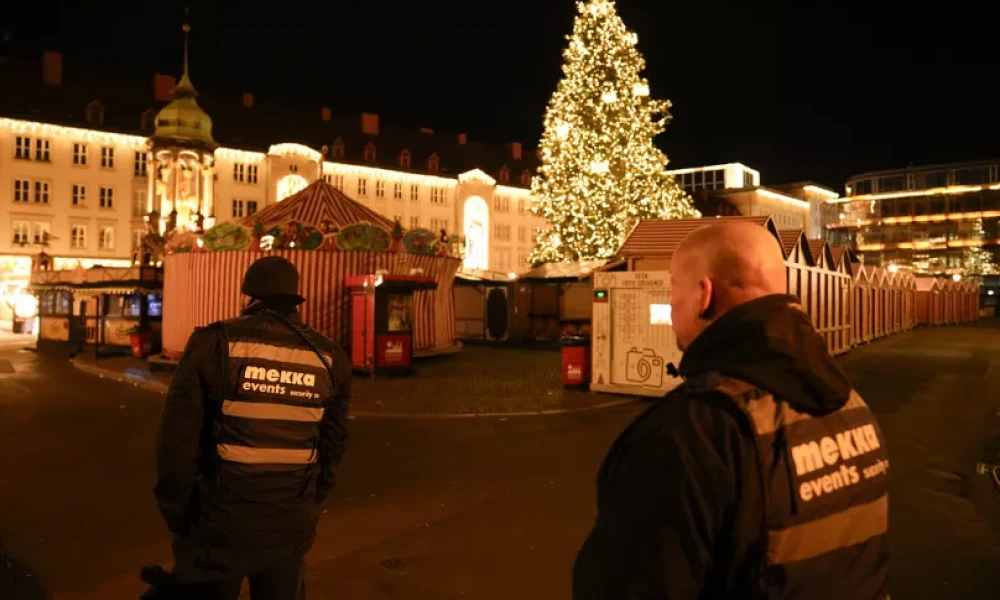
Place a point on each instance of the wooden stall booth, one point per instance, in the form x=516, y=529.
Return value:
x=99, y=308
x=929, y=301
x=556, y=299
x=484, y=306
x=864, y=303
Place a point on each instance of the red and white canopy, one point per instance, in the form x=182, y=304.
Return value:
x=315, y=204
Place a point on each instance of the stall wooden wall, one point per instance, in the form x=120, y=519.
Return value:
x=946, y=302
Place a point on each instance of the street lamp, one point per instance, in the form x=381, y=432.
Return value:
x=956, y=277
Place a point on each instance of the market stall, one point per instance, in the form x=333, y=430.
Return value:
x=328, y=237
x=111, y=310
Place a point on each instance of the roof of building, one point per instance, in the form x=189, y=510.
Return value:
x=564, y=270
x=317, y=204
x=129, y=106
x=655, y=238
x=922, y=168
x=816, y=246
x=788, y=239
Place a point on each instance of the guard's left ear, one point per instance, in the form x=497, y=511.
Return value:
x=706, y=298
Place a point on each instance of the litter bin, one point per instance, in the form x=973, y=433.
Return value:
x=141, y=342
x=575, y=361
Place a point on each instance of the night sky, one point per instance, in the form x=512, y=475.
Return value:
x=816, y=93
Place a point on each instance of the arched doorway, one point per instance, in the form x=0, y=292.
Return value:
x=291, y=184
x=477, y=233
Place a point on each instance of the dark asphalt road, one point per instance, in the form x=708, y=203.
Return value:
x=478, y=508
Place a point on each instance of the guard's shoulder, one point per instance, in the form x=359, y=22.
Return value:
x=216, y=326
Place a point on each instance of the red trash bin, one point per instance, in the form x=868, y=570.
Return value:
x=575, y=361
x=142, y=343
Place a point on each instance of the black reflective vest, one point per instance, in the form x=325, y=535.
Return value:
x=276, y=390
x=826, y=496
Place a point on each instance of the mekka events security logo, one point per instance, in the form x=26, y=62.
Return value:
x=279, y=382
x=829, y=451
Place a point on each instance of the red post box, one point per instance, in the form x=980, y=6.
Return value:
x=575, y=361
x=382, y=321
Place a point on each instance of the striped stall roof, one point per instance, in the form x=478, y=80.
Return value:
x=203, y=287
x=838, y=253
x=788, y=239
x=315, y=204
x=816, y=246
x=656, y=238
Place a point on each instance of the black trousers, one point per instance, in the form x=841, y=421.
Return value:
x=208, y=572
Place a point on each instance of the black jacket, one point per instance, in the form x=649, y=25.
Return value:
x=680, y=509
x=196, y=495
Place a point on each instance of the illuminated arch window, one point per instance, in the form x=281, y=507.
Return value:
x=95, y=113
x=504, y=176
x=291, y=184
x=433, y=163
x=476, y=215
x=405, y=159
x=370, y=153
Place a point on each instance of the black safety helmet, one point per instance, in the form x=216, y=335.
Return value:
x=272, y=277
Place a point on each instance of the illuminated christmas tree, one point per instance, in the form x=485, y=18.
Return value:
x=600, y=171
x=978, y=261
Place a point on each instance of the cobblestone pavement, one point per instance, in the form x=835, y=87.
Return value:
x=479, y=380
x=487, y=509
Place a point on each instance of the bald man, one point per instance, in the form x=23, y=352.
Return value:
x=764, y=474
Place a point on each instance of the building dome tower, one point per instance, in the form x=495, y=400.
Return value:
x=182, y=161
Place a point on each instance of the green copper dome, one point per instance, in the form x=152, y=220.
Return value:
x=183, y=122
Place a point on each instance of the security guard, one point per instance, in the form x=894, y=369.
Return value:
x=763, y=475
x=253, y=428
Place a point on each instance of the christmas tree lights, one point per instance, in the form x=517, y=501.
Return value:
x=978, y=261
x=600, y=171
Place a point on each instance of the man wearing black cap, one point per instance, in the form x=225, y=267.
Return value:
x=253, y=427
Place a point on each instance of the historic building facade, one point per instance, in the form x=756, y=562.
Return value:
x=85, y=185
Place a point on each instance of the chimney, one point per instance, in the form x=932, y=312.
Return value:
x=515, y=150
x=163, y=87
x=325, y=114
x=369, y=123
x=427, y=130
x=247, y=100
x=462, y=139
x=52, y=67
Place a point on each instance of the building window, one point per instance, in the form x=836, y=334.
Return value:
x=337, y=181
x=522, y=233
x=41, y=192
x=379, y=188
x=238, y=209
x=239, y=172
x=504, y=174
x=327, y=178
x=252, y=173
x=22, y=189
x=414, y=193
x=414, y=222
x=522, y=205
x=107, y=158
x=251, y=207
x=370, y=153
x=362, y=187
x=79, y=194
x=22, y=148
x=439, y=195
x=439, y=225
x=139, y=170
x=42, y=148
x=80, y=154
x=78, y=236
x=139, y=203
x=21, y=229
x=337, y=149
x=95, y=113
x=107, y=197
x=526, y=178
x=397, y=191
x=106, y=238
x=405, y=159
x=501, y=204
x=40, y=233
x=433, y=163
x=137, y=237
x=146, y=119
x=501, y=232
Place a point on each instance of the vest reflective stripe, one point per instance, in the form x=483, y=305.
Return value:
x=277, y=412
x=846, y=528
x=265, y=456
x=767, y=415
x=275, y=353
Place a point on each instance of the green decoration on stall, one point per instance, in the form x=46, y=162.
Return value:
x=227, y=236
x=420, y=241
x=364, y=237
